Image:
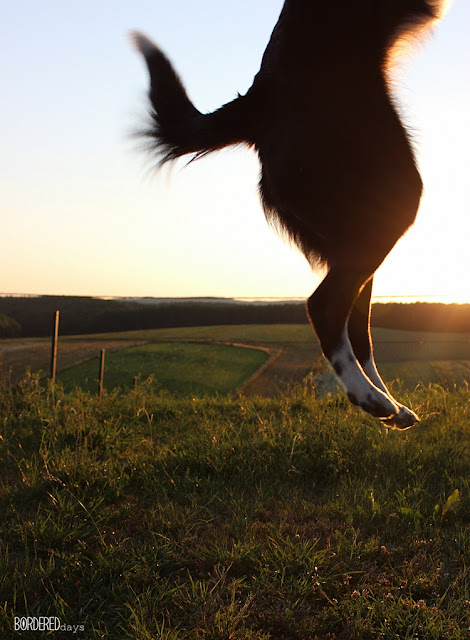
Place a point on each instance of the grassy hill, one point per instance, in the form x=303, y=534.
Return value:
x=210, y=359
x=188, y=368
x=189, y=359
x=161, y=517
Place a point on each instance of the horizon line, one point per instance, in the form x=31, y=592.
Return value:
x=441, y=298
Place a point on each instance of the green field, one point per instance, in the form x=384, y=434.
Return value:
x=159, y=517
x=243, y=333
x=179, y=367
x=177, y=511
x=291, y=334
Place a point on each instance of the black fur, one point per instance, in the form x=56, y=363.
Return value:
x=338, y=174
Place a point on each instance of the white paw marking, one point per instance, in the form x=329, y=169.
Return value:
x=405, y=418
x=371, y=372
x=365, y=387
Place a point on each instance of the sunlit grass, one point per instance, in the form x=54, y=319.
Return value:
x=154, y=516
x=243, y=333
x=181, y=367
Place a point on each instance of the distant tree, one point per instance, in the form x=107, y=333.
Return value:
x=33, y=316
x=422, y=316
x=9, y=327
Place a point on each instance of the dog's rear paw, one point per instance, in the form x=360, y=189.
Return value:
x=403, y=420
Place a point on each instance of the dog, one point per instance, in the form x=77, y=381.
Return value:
x=338, y=174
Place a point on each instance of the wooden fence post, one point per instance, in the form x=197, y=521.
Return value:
x=54, y=346
x=100, y=387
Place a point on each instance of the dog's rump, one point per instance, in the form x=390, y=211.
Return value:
x=308, y=35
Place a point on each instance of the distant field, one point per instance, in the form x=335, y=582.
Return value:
x=413, y=357
x=245, y=333
x=390, y=345
x=179, y=367
x=446, y=373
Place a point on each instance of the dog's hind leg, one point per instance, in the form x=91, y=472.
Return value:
x=329, y=309
x=360, y=337
x=361, y=341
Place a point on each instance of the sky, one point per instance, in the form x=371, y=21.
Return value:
x=81, y=212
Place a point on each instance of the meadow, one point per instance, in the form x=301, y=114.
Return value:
x=205, y=360
x=157, y=514
x=182, y=367
x=297, y=517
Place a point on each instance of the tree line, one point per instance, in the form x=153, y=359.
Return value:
x=32, y=316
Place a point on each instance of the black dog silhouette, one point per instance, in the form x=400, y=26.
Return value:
x=337, y=169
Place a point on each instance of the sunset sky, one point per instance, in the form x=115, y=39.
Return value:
x=80, y=212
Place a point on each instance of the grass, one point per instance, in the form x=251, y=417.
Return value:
x=165, y=517
x=285, y=334
x=441, y=357
x=243, y=333
x=446, y=373
x=181, y=367
x=412, y=356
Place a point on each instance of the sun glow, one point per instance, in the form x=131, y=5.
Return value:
x=80, y=218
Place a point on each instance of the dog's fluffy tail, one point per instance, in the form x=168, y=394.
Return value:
x=176, y=126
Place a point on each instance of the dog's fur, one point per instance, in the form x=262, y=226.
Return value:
x=337, y=170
